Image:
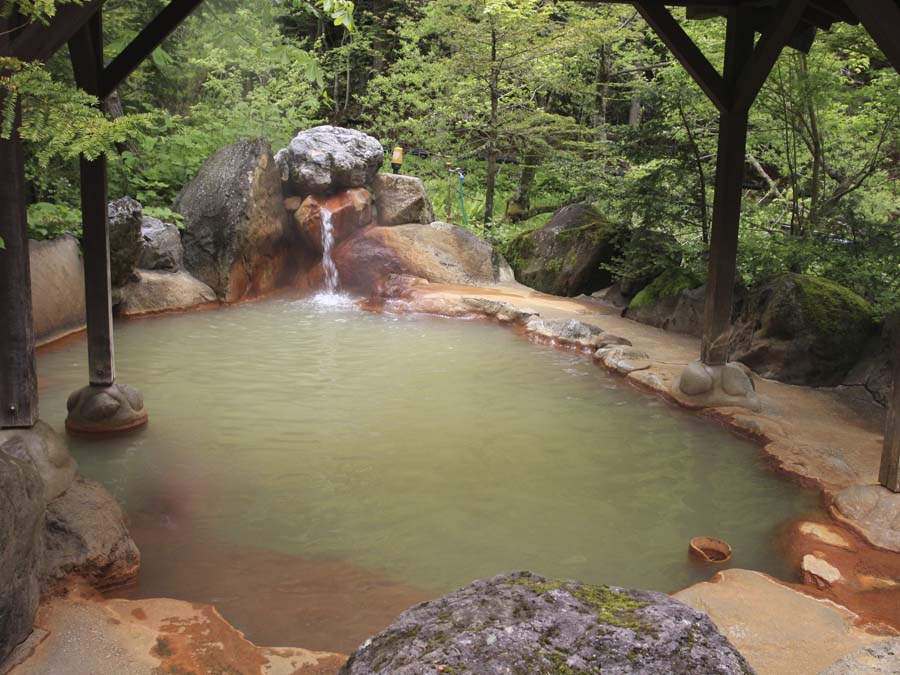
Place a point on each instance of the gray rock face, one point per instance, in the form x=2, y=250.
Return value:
x=47, y=451
x=327, y=158
x=882, y=658
x=161, y=247
x=874, y=511
x=125, y=217
x=875, y=370
x=57, y=286
x=522, y=623
x=400, y=200
x=21, y=549
x=86, y=536
x=565, y=256
x=235, y=221
x=573, y=332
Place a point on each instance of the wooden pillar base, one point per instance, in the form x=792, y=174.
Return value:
x=101, y=410
x=714, y=386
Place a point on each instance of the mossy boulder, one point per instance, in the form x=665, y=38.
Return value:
x=802, y=329
x=523, y=623
x=673, y=301
x=565, y=256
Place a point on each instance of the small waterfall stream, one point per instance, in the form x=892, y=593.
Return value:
x=331, y=274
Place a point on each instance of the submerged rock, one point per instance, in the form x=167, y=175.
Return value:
x=400, y=200
x=523, y=623
x=21, y=549
x=327, y=158
x=881, y=658
x=802, y=330
x=125, y=218
x=86, y=536
x=438, y=252
x=161, y=247
x=565, y=256
x=235, y=221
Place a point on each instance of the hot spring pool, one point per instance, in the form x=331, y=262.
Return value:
x=313, y=471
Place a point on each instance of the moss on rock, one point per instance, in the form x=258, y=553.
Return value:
x=667, y=285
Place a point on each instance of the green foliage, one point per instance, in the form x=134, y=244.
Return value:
x=46, y=221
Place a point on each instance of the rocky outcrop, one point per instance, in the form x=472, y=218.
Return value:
x=438, y=252
x=522, y=623
x=151, y=292
x=650, y=254
x=57, y=287
x=325, y=159
x=86, y=536
x=802, y=330
x=235, y=221
x=565, y=256
x=875, y=370
x=674, y=301
x=21, y=548
x=46, y=451
x=881, y=658
x=400, y=200
x=161, y=247
x=350, y=210
x=125, y=218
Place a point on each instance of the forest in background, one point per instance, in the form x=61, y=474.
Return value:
x=538, y=103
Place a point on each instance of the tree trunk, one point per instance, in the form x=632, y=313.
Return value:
x=491, y=145
x=519, y=207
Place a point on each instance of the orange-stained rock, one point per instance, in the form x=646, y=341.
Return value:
x=86, y=635
x=351, y=210
x=438, y=252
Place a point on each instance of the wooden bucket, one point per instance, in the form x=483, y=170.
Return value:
x=710, y=550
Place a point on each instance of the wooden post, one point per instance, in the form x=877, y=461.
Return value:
x=727, y=203
x=85, y=49
x=18, y=379
x=889, y=476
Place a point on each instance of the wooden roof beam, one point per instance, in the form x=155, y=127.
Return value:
x=881, y=18
x=153, y=34
x=774, y=38
x=36, y=41
x=688, y=54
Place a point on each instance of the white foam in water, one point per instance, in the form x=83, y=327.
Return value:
x=331, y=296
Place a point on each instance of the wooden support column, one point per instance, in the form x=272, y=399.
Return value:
x=727, y=202
x=889, y=476
x=18, y=379
x=86, y=49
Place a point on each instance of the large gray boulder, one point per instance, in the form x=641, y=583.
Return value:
x=801, y=329
x=57, y=287
x=673, y=301
x=125, y=218
x=47, y=451
x=21, y=548
x=161, y=247
x=86, y=536
x=235, y=221
x=522, y=623
x=565, y=257
x=326, y=159
x=400, y=200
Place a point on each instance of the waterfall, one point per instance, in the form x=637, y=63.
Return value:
x=328, y=266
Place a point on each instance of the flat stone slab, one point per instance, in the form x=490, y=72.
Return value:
x=778, y=630
x=881, y=658
x=86, y=635
x=872, y=510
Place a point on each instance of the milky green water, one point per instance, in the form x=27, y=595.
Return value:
x=429, y=451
